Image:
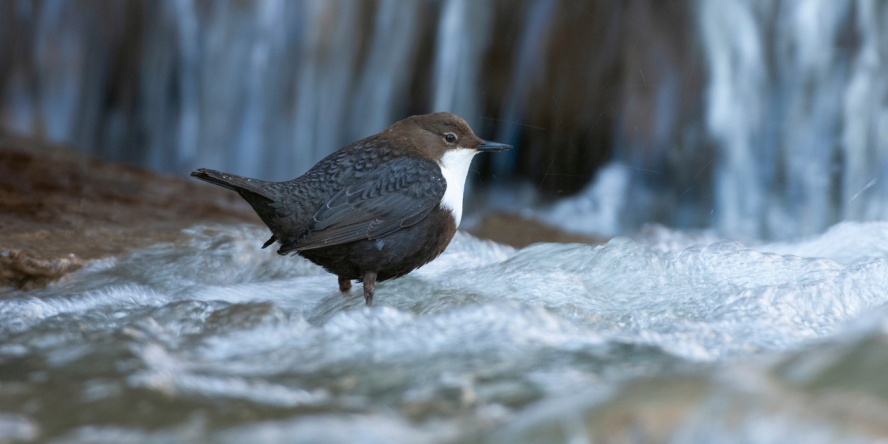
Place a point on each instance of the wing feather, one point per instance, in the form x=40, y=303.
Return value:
x=398, y=194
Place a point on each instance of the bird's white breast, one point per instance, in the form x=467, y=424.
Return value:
x=455, y=167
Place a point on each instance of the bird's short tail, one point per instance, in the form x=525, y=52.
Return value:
x=231, y=181
x=252, y=190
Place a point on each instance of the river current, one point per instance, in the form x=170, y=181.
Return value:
x=666, y=336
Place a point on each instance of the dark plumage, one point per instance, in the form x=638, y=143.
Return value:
x=376, y=209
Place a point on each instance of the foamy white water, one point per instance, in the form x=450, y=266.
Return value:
x=671, y=337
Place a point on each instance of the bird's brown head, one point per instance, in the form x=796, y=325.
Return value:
x=434, y=135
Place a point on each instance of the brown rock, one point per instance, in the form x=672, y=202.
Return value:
x=60, y=207
x=514, y=230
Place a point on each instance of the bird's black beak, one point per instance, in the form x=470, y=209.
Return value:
x=492, y=146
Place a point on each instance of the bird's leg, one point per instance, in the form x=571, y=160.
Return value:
x=344, y=284
x=369, y=286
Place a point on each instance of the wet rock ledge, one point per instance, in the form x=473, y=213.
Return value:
x=60, y=208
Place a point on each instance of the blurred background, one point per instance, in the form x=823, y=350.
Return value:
x=756, y=119
x=138, y=307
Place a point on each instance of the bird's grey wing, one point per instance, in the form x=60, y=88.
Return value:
x=397, y=194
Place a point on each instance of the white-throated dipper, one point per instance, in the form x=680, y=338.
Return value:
x=376, y=209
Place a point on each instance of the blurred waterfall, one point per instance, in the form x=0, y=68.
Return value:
x=528, y=71
x=864, y=138
x=382, y=91
x=762, y=119
x=797, y=103
x=462, y=39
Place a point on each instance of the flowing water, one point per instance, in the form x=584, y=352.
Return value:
x=665, y=337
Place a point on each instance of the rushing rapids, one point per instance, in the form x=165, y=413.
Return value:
x=691, y=338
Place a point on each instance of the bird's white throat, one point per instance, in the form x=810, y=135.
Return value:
x=455, y=167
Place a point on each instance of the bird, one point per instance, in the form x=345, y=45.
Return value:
x=376, y=209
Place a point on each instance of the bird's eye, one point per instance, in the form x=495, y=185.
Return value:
x=450, y=138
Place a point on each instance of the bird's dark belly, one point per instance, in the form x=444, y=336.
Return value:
x=392, y=256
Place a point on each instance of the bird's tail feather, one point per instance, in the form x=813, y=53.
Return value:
x=252, y=190
x=231, y=181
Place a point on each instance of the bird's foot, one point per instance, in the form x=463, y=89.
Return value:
x=369, y=287
x=345, y=284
